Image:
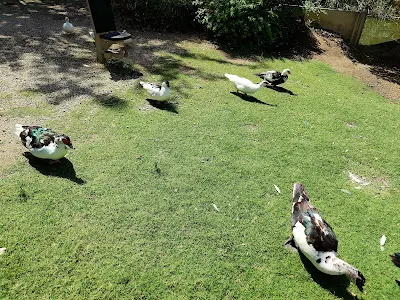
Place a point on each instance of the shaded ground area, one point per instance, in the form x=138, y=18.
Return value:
x=383, y=58
x=376, y=65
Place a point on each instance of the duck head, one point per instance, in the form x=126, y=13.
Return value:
x=66, y=20
x=64, y=139
x=165, y=84
x=299, y=192
x=286, y=72
x=358, y=279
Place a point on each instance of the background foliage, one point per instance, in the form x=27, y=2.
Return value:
x=234, y=23
x=382, y=9
x=252, y=23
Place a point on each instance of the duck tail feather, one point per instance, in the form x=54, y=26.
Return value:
x=396, y=259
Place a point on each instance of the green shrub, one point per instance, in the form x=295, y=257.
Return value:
x=249, y=23
x=235, y=24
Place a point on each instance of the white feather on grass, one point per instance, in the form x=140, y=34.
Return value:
x=358, y=180
x=383, y=240
x=277, y=189
x=2, y=250
x=215, y=207
x=346, y=191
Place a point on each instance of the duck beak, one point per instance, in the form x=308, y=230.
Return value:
x=298, y=190
x=70, y=146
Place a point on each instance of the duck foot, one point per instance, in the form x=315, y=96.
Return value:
x=291, y=245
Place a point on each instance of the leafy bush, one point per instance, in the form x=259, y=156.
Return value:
x=250, y=23
x=236, y=24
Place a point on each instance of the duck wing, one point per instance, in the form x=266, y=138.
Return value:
x=396, y=259
x=276, y=75
x=239, y=80
x=318, y=232
x=150, y=86
x=37, y=136
x=269, y=75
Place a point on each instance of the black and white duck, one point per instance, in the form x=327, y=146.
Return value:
x=157, y=91
x=396, y=260
x=43, y=142
x=274, y=77
x=316, y=239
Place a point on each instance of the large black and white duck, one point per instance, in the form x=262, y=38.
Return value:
x=43, y=142
x=157, y=91
x=316, y=239
x=274, y=77
x=244, y=85
x=396, y=260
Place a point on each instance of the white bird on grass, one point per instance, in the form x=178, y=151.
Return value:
x=244, y=85
x=157, y=91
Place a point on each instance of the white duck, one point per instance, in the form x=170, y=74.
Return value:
x=244, y=85
x=43, y=142
x=316, y=239
x=275, y=77
x=67, y=26
x=157, y=91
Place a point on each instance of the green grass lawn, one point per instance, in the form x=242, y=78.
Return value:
x=129, y=213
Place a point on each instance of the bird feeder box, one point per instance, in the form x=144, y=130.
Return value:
x=109, y=42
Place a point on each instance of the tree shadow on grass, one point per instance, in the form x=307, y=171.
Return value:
x=337, y=285
x=112, y=102
x=121, y=70
x=250, y=98
x=164, y=105
x=281, y=90
x=64, y=169
x=384, y=58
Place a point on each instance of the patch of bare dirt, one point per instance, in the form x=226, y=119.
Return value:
x=341, y=57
